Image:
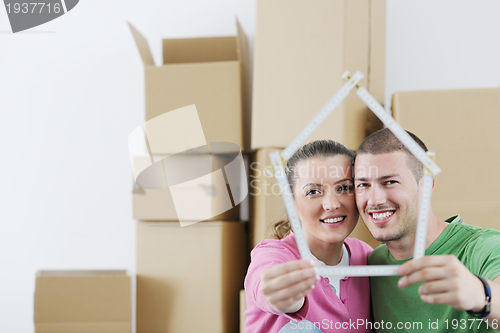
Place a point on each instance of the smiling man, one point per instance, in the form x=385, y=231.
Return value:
x=457, y=282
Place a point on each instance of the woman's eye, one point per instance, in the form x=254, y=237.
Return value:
x=345, y=188
x=312, y=192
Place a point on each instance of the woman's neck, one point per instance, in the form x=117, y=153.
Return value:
x=329, y=253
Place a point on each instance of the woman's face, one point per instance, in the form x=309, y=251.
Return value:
x=324, y=197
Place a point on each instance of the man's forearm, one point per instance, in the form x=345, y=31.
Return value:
x=495, y=303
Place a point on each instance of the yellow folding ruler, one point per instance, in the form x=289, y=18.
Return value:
x=431, y=169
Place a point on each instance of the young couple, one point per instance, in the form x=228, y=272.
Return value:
x=332, y=187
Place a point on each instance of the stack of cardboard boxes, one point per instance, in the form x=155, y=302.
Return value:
x=301, y=51
x=188, y=278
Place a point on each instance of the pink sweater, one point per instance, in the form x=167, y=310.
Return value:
x=322, y=307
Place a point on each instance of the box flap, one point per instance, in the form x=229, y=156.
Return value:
x=241, y=43
x=243, y=55
x=142, y=44
x=187, y=50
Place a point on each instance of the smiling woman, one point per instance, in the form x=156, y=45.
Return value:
x=283, y=291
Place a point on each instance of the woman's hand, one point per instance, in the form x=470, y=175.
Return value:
x=285, y=286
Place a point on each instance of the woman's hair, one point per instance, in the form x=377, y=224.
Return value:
x=314, y=149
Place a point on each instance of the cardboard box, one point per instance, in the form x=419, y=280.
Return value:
x=82, y=301
x=376, y=70
x=158, y=204
x=461, y=127
x=188, y=279
x=266, y=204
x=243, y=308
x=209, y=72
x=301, y=50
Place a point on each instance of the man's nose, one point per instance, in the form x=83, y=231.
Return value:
x=376, y=196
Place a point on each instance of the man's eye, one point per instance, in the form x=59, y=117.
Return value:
x=390, y=182
x=312, y=192
x=362, y=185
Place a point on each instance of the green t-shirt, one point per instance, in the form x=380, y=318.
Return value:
x=477, y=248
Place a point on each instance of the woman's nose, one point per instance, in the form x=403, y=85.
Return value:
x=331, y=201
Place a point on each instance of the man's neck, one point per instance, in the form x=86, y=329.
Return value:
x=403, y=248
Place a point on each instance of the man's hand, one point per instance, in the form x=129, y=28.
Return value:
x=285, y=286
x=446, y=281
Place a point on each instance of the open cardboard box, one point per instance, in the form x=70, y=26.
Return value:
x=209, y=72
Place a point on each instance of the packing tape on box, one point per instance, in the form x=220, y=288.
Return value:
x=431, y=168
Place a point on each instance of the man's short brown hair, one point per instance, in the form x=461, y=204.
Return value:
x=384, y=142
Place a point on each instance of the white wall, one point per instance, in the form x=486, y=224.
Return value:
x=444, y=44
x=71, y=91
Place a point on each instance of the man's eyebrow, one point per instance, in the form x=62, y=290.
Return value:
x=393, y=175
x=364, y=179
x=360, y=179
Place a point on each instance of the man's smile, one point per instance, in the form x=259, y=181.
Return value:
x=381, y=217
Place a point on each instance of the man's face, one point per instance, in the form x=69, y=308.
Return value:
x=387, y=195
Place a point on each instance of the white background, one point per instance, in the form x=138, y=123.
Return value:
x=72, y=90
